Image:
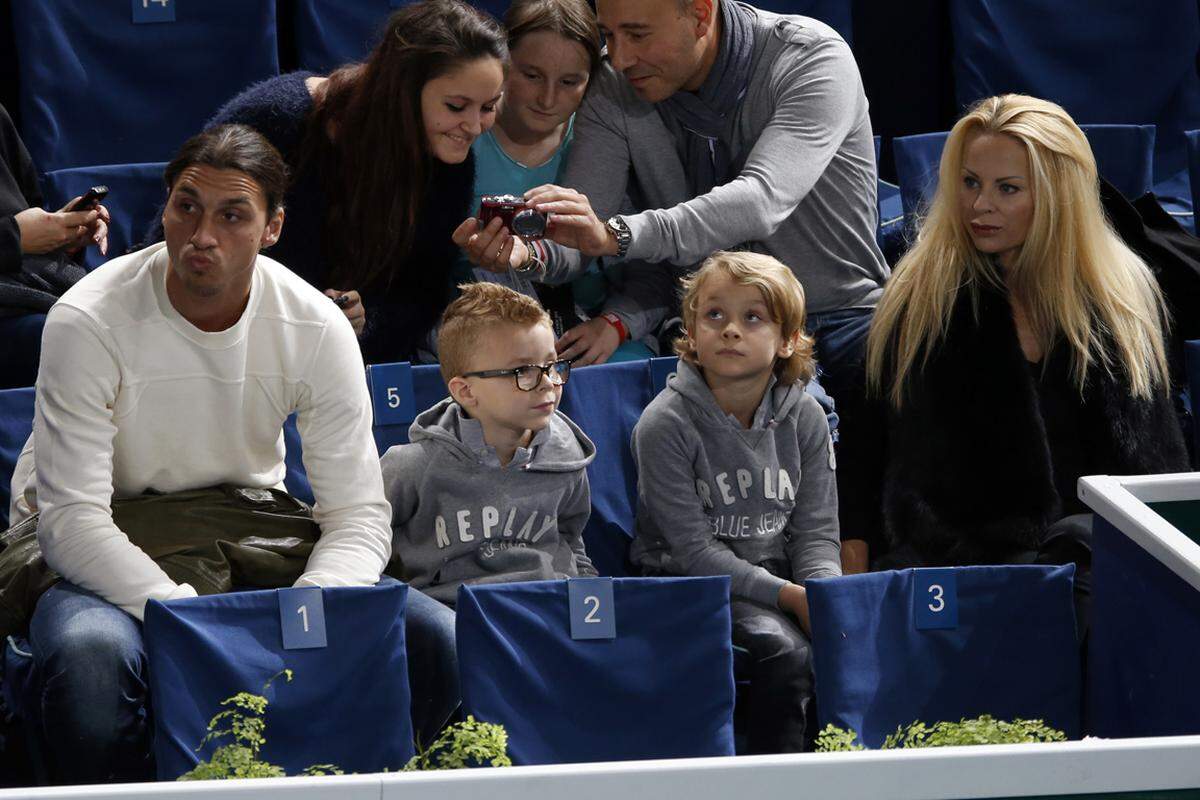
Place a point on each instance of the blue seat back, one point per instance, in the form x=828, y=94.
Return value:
x=662, y=688
x=1012, y=654
x=1124, y=156
x=1142, y=642
x=1193, y=170
x=330, y=33
x=16, y=423
x=606, y=402
x=347, y=703
x=917, y=159
x=1066, y=51
x=96, y=88
x=136, y=193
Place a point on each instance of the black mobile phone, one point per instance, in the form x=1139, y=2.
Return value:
x=342, y=300
x=91, y=198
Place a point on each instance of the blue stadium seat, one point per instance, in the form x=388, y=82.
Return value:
x=1124, y=157
x=1064, y=51
x=347, y=703
x=661, y=688
x=1004, y=645
x=136, y=193
x=889, y=231
x=96, y=88
x=22, y=337
x=16, y=423
x=1193, y=170
x=917, y=160
x=330, y=33
x=606, y=402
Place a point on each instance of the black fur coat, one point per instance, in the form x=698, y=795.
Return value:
x=966, y=475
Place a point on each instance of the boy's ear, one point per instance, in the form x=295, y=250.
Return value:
x=788, y=345
x=460, y=390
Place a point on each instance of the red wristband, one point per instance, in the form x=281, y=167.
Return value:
x=615, y=321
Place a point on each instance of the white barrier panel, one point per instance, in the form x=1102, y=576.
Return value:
x=1121, y=501
x=952, y=773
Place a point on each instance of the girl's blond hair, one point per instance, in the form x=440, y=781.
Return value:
x=785, y=302
x=1075, y=277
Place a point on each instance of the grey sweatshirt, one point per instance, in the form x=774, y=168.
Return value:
x=459, y=517
x=805, y=189
x=714, y=498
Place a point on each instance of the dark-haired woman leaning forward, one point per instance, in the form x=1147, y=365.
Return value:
x=382, y=168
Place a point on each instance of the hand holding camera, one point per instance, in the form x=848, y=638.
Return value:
x=489, y=242
x=575, y=223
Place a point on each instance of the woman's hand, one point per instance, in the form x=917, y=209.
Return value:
x=352, y=307
x=592, y=342
x=573, y=223
x=46, y=231
x=493, y=247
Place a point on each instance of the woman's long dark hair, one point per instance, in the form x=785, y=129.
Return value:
x=366, y=134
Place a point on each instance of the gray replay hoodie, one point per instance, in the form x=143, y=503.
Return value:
x=714, y=498
x=459, y=517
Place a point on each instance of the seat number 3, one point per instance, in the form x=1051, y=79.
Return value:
x=939, y=598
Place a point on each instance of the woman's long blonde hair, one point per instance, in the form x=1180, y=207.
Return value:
x=1074, y=275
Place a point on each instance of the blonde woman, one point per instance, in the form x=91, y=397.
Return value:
x=1017, y=347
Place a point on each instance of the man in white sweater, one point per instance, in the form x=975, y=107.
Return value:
x=170, y=369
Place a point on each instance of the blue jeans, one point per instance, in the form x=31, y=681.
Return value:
x=432, y=665
x=94, y=692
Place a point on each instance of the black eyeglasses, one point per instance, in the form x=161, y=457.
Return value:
x=528, y=376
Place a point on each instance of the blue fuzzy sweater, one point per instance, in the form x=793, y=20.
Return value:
x=402, y=312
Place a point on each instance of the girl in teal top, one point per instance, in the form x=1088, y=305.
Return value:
x=554, y=47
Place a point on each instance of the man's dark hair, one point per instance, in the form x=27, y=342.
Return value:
x=238, y=147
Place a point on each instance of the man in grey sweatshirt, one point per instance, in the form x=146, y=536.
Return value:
x=729, y=128
x=757, y=504
x=459, y=517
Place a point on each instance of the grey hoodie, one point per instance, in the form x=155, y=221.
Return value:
x=714, y=498
x=459, y=517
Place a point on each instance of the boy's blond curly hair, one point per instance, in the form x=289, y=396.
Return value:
x=481, y=308
x=785, y=302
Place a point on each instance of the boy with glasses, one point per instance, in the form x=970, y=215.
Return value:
x=493, y=487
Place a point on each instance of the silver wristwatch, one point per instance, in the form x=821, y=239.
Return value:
x=620, y=232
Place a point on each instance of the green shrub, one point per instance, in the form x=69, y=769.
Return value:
x=982, y=730
x=464, y=744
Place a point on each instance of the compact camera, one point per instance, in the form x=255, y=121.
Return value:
x=519, y=218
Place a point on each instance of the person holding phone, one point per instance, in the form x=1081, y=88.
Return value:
x=36, y=246
x=380, y=154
